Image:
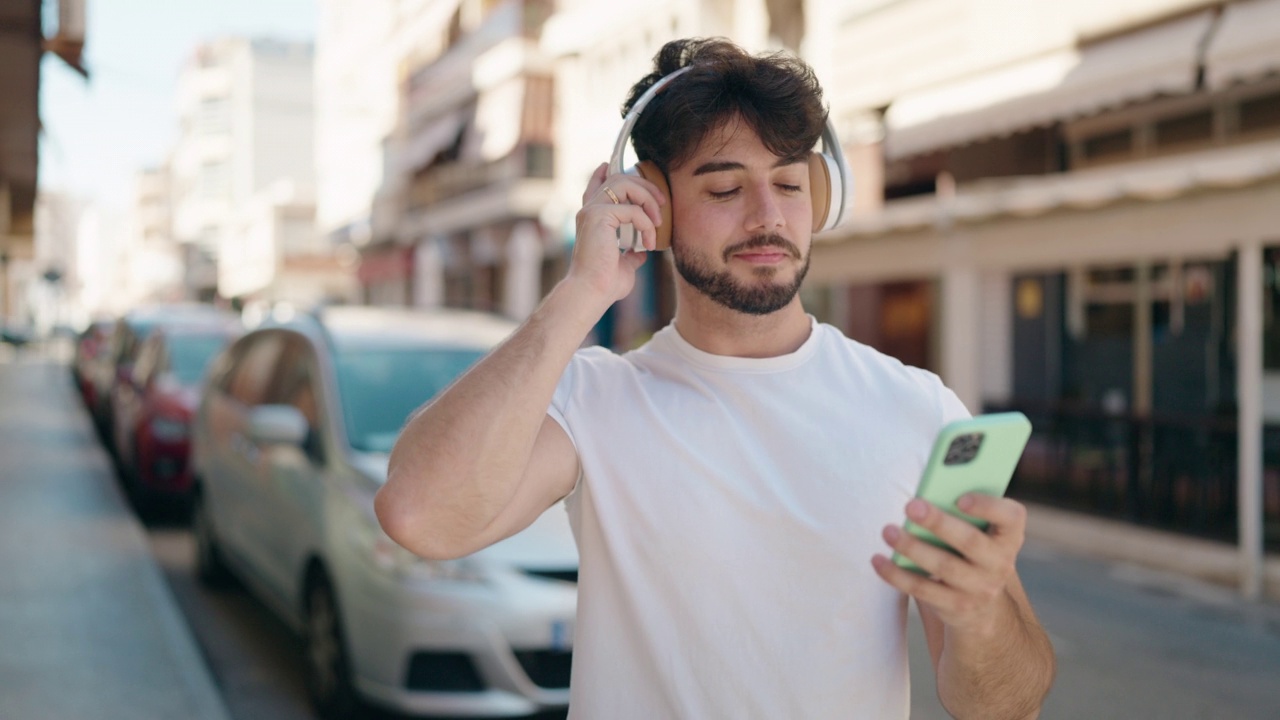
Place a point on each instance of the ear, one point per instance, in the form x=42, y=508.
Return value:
x=820, y=172
x=649, y=171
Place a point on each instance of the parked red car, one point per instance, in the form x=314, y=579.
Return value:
x=152, y=410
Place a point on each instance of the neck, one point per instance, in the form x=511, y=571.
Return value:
x=714, y=328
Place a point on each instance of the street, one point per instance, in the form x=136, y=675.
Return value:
x=1131, y=643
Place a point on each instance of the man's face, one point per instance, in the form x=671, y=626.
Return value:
x=742, y=221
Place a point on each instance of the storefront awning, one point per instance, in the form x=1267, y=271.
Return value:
x=1161, y=60
x=1245, y=47
x=1150, y=180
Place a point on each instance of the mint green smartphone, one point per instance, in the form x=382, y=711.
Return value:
x=974, y=455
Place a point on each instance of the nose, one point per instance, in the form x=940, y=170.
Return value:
x=763, y=211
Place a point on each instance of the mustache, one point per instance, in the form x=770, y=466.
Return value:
x=757, y=242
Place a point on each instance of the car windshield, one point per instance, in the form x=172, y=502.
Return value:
x=189, y=355
x=380, y=387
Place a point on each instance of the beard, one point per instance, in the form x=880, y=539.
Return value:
x=761, y=297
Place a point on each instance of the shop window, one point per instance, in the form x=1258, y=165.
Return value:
x=1109, y=320
x=1102, y=276
x=1196, y=127
x=1109, y=145
x=1260, y=114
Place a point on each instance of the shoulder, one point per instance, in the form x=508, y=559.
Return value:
x=872, y=361
x=595, y=366
x=888, y=379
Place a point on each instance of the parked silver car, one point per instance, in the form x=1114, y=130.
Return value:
x=291, y=443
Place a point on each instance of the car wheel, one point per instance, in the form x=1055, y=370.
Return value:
x=328, y=667
x=210, y=568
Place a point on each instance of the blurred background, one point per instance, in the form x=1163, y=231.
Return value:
x=1071, y=209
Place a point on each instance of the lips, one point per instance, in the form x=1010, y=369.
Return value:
x=762, y=256
x=763, y=248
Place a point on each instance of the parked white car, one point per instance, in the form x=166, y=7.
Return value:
x=291, y=443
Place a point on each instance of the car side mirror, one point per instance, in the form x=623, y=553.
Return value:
x=277, y=425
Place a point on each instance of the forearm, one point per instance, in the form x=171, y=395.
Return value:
x=1004, y=671
x=460, y=459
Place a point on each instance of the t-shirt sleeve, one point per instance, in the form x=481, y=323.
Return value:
x=565, y=408
x=561, y=399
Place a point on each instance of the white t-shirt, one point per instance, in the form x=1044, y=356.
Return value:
x=726, y=516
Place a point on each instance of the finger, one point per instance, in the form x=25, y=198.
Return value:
x=1007, y=517
x=939, y=563
x=635, y=191
x=960, y=534
x=918, y=586
x=649, y=186
x=595, y=182
x=606, y=219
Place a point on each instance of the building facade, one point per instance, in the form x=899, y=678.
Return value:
x=246, y=122
x=364, y=49
x=469, y=172
x=1079, y=220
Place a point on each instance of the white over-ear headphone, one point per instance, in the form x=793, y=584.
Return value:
x=830, y=181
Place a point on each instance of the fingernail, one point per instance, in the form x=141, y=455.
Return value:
x=965, y=502
x=917, y=509
x=892, y=534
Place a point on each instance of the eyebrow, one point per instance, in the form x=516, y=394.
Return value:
x=724, y=165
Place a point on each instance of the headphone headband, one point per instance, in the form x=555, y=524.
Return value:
x=831, y=147
x=629, y=123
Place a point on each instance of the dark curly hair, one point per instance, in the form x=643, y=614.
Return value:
x=777, y=95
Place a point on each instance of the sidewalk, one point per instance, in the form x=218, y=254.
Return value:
x=88, y=627
x=1102, y=539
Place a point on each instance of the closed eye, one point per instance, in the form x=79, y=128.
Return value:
x=790, y=188
x=724, y=194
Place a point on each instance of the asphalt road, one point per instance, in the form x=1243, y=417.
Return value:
x=1133, y=643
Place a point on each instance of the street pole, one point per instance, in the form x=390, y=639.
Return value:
x=1249, y=392
x=5, y=220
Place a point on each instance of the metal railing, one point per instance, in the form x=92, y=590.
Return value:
x=1170, y=472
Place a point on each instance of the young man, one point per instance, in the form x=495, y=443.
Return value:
x=735, y=484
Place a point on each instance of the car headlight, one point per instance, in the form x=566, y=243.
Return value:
x=389, y=556
x=167, y=429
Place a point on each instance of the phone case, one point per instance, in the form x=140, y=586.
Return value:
x=978, y=454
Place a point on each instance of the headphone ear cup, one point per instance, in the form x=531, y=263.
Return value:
x=821, y=173
x=649, y=171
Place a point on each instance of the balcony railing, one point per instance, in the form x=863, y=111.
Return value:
x=1169, y=472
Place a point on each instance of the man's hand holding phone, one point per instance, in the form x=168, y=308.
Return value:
x=966, y=588
x=957, y=550
x=609, y=203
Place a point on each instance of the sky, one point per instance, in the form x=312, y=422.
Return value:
x=97, y=135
